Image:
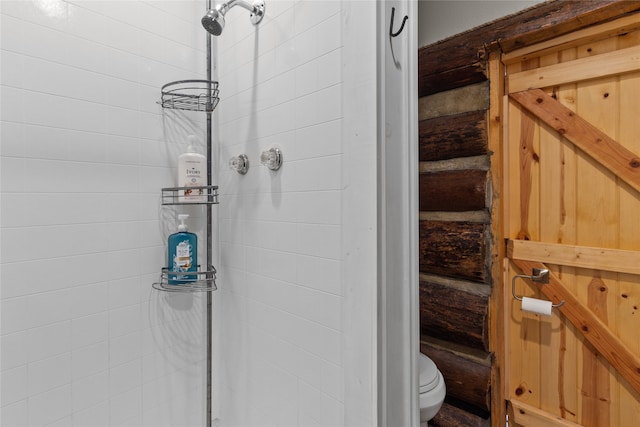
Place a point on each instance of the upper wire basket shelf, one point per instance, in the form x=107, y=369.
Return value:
x=192, y=95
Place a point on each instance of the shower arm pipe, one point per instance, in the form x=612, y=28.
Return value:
x=224, y=7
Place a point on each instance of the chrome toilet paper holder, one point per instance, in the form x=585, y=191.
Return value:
x=539, y=275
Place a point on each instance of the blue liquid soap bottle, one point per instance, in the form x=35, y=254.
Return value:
x=183, y=254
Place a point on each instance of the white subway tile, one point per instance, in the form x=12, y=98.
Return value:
x=63, y=422
x=308, y=368
x=12, y=31
x=68, y=113
x=13, y=104
x=90, y=360
x=126, y=406
x=315, y=174
x=15, y=415
x=48, y=341
x=122, y=64
x=125, y=377
x=65, y=144
x=319, y=340
x=319, y=73
x=286, y=56
x=89, y=299
x=332, y=411
x=11, y=168
x=46, y=43
x=232, y=255
x=310, y=13
x=323, y=139
x=31, y=277
x=320, y=307
x=319, y=207
x=278, y=264
x=318, y=107
x=320, y=39
x=279, y=236
x=13, y=385
x=125, y=263
x=23, y=210
x=280, y=353
x=95, y=416
x=156, y=416
x=47, y=374
x=252, y=259
x=332, y=380
x=12, y=315
x=90, y=391
x=89, y=330
x=50, y=406
x=125, y=348
x=53, y=15
x=87, y=55
x=87, y=24
x=13, y=350
x=125, y=292
x=310, y=403
x=319, y=240
x=49, y=307
x=13, y=138
x=123, y=321
x=319, y=273
x=272, y=320
x=13, y=70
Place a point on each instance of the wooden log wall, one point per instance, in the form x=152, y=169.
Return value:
x=457, y=248
x=454, y=252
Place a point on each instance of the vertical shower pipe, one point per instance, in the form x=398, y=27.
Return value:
x=209, y=227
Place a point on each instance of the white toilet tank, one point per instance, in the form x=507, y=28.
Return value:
x=432, y=389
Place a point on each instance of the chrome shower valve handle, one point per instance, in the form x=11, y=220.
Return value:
x=239, y=164
x=272, y=158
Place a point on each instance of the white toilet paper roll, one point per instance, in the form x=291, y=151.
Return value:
x=534, y=305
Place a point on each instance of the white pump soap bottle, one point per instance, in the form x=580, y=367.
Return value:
x=192, y=172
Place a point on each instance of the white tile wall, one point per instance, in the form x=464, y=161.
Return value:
x=84, y=151
x=280, y=303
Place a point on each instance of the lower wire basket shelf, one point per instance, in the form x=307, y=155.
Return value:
x=205, y=281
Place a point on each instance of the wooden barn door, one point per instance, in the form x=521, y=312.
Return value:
x=572, y=206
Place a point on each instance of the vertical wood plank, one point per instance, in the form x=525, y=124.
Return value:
x=533, y=328
x=597, y=214
x=553, y=154
x=628, y=298
x=565, y=229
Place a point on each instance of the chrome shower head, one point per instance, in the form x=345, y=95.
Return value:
x=213, y=21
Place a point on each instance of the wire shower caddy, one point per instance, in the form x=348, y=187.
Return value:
x=192, y=95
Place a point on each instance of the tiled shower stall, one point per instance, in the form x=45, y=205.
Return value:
x=85, y=150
